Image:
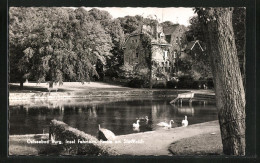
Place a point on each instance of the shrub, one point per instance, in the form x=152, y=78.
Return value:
x=210, y=83
x=137, y=83
x=171, y=84
x=185, y=82
x=159, y=85
x=196, y=84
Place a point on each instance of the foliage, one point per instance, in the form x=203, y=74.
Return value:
x=239, y=25
x=185, y=82
x=172, y=84
x=137, y=83
x=166, y=24
x=130, y=23
x=58, y=44
x=201, y=63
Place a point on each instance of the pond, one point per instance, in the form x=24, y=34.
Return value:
x=117, y=116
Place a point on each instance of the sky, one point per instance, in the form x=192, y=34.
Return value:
x=176, y=15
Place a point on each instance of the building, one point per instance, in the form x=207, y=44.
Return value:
x=163, y=51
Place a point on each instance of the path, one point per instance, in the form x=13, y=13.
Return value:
x=157, y=142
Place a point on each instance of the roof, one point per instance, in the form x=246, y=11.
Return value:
x=153, y=41
x=170, y=29
x=191, y=45
x=131, y=35
x=160, y=42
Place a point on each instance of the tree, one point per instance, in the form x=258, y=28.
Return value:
x=21, y=33
x=238, y=21
x=131, y=23
x=167, y=24
x=57, y=44
x=195, y=32
x=230, y=95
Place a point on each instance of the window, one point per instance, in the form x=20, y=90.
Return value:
x=136, y=55
x=168, y=38
x=165, y=55
x=174, y=55
x=133, y=41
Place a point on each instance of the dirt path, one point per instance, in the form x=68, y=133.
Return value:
x=158, y=142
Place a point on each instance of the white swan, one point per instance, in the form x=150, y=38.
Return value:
x=136, y=125
x=164, y=124
x=185, y=122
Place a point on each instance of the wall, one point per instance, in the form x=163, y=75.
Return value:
x=179, y=32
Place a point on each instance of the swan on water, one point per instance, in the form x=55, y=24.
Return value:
x=143, y=118
x=184, y=122
x=164, y=124
x=136, y=125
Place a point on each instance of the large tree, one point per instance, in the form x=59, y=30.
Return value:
x=201, y=62
x=230, y=95
x=57, y=44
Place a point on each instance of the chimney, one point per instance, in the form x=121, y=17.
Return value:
x=156, y=31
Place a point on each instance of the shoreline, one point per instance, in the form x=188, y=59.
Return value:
x=20, y=98
x=155, y=143
x=70, y=90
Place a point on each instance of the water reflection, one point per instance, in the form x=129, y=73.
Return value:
x=117, y=116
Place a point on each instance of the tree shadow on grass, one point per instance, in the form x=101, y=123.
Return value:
x=30, y=89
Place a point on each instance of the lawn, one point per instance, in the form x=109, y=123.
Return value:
x=204, y=144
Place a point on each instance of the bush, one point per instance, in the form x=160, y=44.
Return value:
x=171, y=84
x=185, y=82
x=196, y=84
x=210, y=83
x=159, y=85
x=137, y=83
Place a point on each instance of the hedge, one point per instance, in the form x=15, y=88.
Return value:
x=63, y=132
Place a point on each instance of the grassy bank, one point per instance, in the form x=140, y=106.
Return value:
x=204, y=144
x=18, y=145
x=71, y=90
x=174, y=141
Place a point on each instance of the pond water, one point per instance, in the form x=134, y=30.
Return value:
x=117, y=116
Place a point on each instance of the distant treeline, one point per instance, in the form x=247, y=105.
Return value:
x=64, y=44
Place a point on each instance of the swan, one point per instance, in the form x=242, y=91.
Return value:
x=184, y=122
x=164, y=124
x=146, y=118
x=105, y=134
x=143, y=118
x=136, y=125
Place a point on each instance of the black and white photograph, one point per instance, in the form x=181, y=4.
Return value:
x=127, y=81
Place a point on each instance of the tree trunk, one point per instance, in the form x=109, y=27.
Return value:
x=151, y=77
x=230, y=96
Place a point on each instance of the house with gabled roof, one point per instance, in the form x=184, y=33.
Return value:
x=164, y=47
x=137, y=56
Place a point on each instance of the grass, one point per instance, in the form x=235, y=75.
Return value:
x=18, y=146
x=66, y=87
x=204, y=144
